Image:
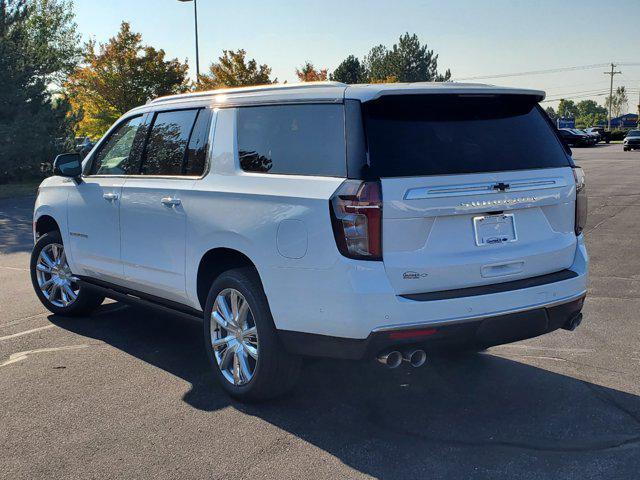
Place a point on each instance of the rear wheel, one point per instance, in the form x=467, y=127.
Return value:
x=54, y=284
x=241, y=341
x=626, y=149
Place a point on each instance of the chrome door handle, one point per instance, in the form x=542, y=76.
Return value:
x=170, y=201
x=110, y=196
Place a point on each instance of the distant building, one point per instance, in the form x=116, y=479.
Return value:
x=630, y=120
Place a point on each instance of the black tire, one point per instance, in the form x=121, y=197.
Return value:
x=86, y=300
x=275, y=370
x=626, y=149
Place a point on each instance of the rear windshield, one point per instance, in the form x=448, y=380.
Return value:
x=414, y=135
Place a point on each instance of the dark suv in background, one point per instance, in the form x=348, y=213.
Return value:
x=631, y=141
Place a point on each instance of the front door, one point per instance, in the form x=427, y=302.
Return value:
x=94, y=203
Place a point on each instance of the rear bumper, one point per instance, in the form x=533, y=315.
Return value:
x=352, y=299
x=472, y=332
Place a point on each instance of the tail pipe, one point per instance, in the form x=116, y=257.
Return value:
x=573, y=323
x=391, y=359
x=415, y=357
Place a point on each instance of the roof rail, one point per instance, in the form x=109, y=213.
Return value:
x=258, y=88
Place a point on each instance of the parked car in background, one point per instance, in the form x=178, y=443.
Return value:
x=631, y=141
x=347, y=221
x=595, y=137
x=604, y=134
x=574, y=138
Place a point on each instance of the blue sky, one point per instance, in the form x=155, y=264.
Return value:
x=473, y=38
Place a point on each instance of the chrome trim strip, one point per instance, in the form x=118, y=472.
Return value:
x=449, y=321
x=423, y=193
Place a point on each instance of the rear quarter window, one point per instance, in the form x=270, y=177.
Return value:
x=416, y=135
x=292, y=139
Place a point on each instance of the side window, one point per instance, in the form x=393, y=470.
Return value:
x=120, y=153
x=292, y=139
x=197, y=149
x=167, y=145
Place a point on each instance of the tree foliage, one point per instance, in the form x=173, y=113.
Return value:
x=406, y=61
x=119, y=75
x=589, y=113
x=567, y=109
x=619, y=102
x=586, y=113
x=350, y=71
x=551, y=113
x=233, y=70
x=308, y=73
x=38, y=47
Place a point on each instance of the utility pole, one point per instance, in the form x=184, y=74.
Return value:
x=612, y=73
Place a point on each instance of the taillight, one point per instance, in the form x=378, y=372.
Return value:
x=581, y=200
x=356, y=215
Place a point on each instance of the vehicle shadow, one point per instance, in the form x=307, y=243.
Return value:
x=475, y=416
x=15, y=225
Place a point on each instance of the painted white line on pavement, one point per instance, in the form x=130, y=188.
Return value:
x=19, y=356
x=26, y=332
x=23, y=319
x=15, y=268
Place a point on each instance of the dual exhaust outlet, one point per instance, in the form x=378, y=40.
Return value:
x=393, y=358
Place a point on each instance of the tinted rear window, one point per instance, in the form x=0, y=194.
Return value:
x=449, y=134
x=167, y=142
x=292, y=139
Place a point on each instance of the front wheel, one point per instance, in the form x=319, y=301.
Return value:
x=54, y=284
x=241, y=340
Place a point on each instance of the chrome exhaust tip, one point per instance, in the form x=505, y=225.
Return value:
x=415, y=357
x=391, y=359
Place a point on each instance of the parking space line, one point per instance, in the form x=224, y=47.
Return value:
x=15, y=268
x=19, y=356
x=26, y=332
x=23, y=319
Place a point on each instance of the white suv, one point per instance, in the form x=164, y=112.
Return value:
x=323, y=219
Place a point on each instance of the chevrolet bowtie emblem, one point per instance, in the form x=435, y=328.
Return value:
x=501, y=186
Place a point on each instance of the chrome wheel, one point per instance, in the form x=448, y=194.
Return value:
x=55, y=280
x=234, y=337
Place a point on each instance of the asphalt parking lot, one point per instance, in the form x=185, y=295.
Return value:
x=127, y=392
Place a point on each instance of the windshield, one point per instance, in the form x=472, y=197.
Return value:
x=633, y=133
x=411, y=135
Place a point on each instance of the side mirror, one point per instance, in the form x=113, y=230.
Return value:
x=67, y=165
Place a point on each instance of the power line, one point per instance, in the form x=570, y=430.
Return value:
x=547, y=71
x=537, y=72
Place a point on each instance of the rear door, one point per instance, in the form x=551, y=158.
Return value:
x=155, y=204
x=476, y=190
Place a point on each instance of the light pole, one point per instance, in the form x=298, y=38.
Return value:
x=195, y=16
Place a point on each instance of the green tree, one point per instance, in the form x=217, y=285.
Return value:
x=233, y=70
x=589, y=113
x=38, y=47
x=551, y=113
x=406, y=61
x=567, y=109
x=308, y=73
x=118, y=76
x=619, y=102
x=350, y=71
